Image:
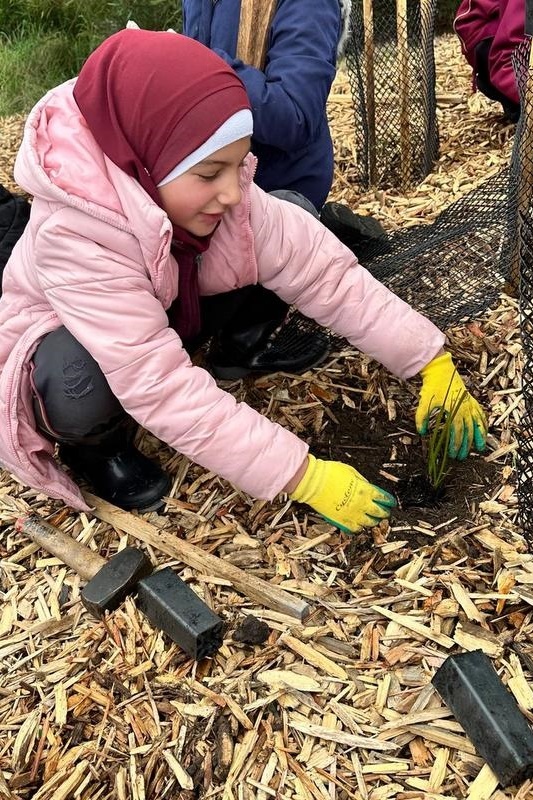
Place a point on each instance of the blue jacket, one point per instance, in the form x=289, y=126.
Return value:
x=291, y=134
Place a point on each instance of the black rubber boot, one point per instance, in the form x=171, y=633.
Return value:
x=354, y=230
x=75, y=407
x=116, y=470
x=294, y=346
x=511, y=110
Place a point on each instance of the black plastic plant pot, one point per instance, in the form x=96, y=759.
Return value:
x=489, y=714
x=416, y=491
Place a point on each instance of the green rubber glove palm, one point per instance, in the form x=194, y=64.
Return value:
x=342, y=495
x=441, y=386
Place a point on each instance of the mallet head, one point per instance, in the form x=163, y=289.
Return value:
x=117, y=578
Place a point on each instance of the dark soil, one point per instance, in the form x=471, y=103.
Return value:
x=373, y=444
x=416, y=491
x=251, y=631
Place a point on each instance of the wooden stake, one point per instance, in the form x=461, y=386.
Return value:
x=427, y=12
x=258, y=590
x=525, y=176
x=403, y=87
x=254, y=27
x=370, y=99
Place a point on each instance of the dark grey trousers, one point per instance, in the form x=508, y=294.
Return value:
x=72, y=398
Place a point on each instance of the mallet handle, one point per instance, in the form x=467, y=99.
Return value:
x=74, y=554
x=253, y=587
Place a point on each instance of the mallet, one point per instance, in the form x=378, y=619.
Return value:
x=168, y=602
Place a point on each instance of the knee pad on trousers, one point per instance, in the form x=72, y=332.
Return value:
x=72, y=398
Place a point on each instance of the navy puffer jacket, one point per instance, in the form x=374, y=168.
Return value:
x=291, y=135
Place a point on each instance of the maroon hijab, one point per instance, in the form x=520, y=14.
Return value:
x=150, y=99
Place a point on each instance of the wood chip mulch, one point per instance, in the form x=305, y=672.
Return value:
x=337, y=705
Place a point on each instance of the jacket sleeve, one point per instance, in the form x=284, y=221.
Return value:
x=474, y=21
x=511, y=31
x=106, y=300
x=289, y=97
x=307, y=266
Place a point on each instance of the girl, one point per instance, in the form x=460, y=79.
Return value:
x=144, y=204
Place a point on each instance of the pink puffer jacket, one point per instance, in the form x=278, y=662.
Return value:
x=95, y=257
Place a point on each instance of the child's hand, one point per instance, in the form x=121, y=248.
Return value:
x=441, y=386
x=342, y=495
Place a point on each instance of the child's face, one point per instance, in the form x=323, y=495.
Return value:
x=197, y=200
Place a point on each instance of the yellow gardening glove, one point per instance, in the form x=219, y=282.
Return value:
x=342, y=495
x=441, y=385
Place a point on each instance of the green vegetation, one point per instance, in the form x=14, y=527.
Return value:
x=444, y=15
x=44, y=42
x=439, y=440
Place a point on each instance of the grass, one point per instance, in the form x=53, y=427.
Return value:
x=44, y=42
x=439, y=440
x=34, y=63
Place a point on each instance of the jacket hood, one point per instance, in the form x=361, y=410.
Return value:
x=59, y=158
x=60, y=162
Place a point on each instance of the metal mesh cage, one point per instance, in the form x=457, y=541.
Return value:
x=522, y=274
x=391, y=67
x=457, y=266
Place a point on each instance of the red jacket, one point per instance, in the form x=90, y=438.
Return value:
x=503, y=21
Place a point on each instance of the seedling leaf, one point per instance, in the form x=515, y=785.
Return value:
x=439, y=439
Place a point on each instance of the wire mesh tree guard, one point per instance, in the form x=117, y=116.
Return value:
x=455, y=269
x=391, y=68
x=521, y=274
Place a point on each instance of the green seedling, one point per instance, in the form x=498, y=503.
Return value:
x=439, y=440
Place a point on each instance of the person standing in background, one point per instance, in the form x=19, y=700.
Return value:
x=288, y=87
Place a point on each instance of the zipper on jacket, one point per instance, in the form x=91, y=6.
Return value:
x=465, y=13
